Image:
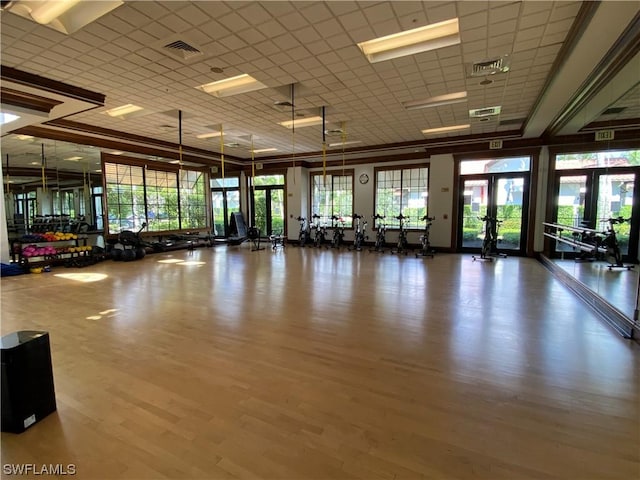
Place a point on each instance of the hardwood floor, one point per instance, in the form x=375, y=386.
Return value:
x=306, y=363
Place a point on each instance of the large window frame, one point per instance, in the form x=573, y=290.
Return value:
x=402, y=189
x=165, y=197
x=332, y=194
x=591, y=166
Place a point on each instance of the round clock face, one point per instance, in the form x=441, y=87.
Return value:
x=364, y=178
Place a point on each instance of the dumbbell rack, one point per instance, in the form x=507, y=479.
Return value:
x=60, y=258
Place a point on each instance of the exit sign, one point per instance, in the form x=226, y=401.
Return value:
x=495, y=144
x=604, y=135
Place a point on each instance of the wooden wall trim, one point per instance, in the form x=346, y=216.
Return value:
x=28, y=101
x=14, y=75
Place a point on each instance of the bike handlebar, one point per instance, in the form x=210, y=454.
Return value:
x=619, y=219
x=427, y=219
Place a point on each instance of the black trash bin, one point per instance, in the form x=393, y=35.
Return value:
x=28, y=393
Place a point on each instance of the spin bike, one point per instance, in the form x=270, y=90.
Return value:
x=304, y=236
x=381, y=229
x=320, y=231
x=360, y=236
x=489, y=249
x=402, y=245
x=426, y=250
x=613, y=255
x=338, y=231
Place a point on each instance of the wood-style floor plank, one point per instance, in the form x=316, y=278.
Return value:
x=320, y=364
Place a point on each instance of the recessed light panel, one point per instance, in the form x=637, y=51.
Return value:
x=123, y=110
x=453, y=128
x=232, y=86
x=411, y=42
x=437, y=101
x=302, y=122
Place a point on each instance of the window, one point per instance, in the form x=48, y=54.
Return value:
x=499, y=165
x=64, y=203
x=402, y=191
x=192, y=199
x=603, y=159
x=332, y=195
x=164, y=199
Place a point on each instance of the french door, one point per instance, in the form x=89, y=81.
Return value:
x=588, y=198
x=267, y=207
x=503, y=196
x=224, y=202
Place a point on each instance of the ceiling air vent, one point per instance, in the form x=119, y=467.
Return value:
x=512, y=121
x=614, y=110
x=180, y=47
x=490, y=67
x=484, y=112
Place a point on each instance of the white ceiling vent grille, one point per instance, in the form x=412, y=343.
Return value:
x=180, y=48
x=484, y=112
x=490, y=67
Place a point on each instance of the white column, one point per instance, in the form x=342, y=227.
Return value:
x=5, y=248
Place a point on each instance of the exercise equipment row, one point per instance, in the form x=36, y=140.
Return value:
x=315, y=234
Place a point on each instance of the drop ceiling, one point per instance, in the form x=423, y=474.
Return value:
x=306, y=53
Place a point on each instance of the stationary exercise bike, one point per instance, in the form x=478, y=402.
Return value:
x=381, y=229
x=320, y=231
x=253, y=233
x=338, y=231
x=304, y=236
x=426, y=250
x=360, y=236
x=489, y=249
x=613, y=255
x=403, y=245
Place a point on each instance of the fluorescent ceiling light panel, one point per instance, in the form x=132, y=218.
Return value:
x=302, y=122
x=232, y=86
x=73, y=159
x=123, y=110
x=48, y=11
x=265, y=150
x=437, y=101
x=350, y=142
x=25, y=137
x=7, y=118
x=452, y=128
x=66, y=16
x=411, y=42
x=209, y=135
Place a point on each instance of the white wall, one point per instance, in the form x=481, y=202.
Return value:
x=441, y=190
x=297, y=199
x=5, y=249
x=541, y=199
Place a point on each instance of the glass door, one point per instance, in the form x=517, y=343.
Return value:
x=500, y=196
x=223, y=203
x=589, y=199
x=510, y=205
x=476, y=200
x=572, y=205
x=615, y=199
x=268, y=209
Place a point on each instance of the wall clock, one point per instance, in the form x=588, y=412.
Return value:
x=364, y=178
